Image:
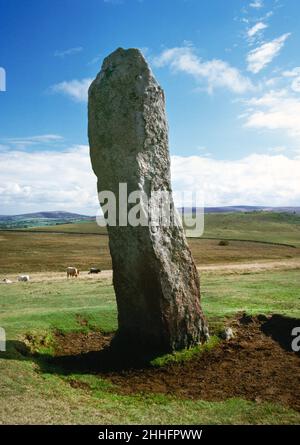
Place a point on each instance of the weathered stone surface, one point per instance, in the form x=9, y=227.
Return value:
x=154, y=275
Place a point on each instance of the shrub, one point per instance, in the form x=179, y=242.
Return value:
x=223, y=242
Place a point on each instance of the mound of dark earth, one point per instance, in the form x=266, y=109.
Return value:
x=257, y=364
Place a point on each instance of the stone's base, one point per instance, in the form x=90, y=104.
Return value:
x=141, y=343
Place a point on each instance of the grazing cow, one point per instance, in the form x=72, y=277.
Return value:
x=72, y=272
x=94, y=270
x=6, y=281
x=23, y=278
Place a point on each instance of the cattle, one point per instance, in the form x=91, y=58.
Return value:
x=6, y=281
x=23, y=278
x=72, y=272
x=94, y=270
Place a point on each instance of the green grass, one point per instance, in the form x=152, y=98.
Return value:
x=32, y=396
x=260, y=293
x=87, y=227
x=186, y=354
x=56, y=305
x=258, y=226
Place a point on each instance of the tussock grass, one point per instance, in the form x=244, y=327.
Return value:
x=185, y=354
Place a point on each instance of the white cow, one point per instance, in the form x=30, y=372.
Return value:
x=6, y=281
x=23, y=278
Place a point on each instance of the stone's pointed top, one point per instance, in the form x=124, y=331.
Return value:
x=126, y=67
x=128, y=51
x=122, y=56
x=121, y=52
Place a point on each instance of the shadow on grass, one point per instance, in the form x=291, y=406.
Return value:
x=280, y=329
x=113, y=356
x=15, y=350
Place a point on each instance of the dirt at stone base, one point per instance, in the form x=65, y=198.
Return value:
x=257, y=364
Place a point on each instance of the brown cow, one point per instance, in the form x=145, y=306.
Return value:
x=72, y=272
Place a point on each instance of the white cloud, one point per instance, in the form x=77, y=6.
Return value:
x=75, y=89
x=44, y=138
x=258, y=27
x=68, y=52
x=295, y=75
x=32, y=141
x=216, y=73
x=292, y=73
x=275, y=110
x=260, y=57
x=65, y=181
x=257, y=179
x=296, y=85
x=47, y=180
x=257, y=4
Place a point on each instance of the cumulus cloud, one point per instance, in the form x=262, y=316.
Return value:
x=216, y=73
x=257, y=4
x=64, y=180
x=261, y=56
x=275, y=110
x=47, y=180
x=68, y=52
x=295, y=72
x=75, y=89
x=295, y=75
x=258, y=27
x=254, y=180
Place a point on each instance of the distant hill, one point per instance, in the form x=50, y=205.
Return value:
x=241, y=208
x=58, y=218
x=76, y=216
x=41, y=219
x=49, y=215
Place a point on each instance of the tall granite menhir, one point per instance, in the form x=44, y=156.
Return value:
x=154, y=275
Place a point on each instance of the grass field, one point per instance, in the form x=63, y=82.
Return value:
x=86, y=244
x=33, y=252
x=259, y=226
x=31, y=395
x=255, y=226
x=240, y=277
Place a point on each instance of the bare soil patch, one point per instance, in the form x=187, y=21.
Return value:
x=74, y=343
x=257, y=364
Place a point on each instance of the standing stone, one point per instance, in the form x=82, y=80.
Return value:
x=155, y=278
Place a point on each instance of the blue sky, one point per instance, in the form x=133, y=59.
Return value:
x=230, y=70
